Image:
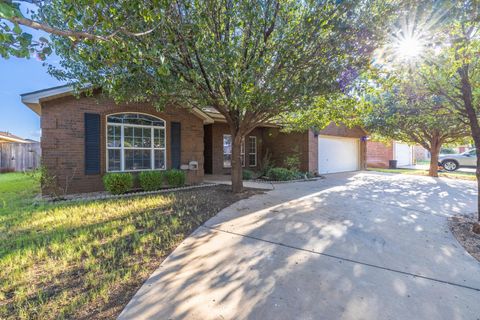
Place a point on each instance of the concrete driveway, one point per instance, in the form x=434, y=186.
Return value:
x=352, y=246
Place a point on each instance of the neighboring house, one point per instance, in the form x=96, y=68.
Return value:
x=379, y=154
x=7, y=137
x=420, y=153
x=18, y=154
x=83, y=138
x=462, y=149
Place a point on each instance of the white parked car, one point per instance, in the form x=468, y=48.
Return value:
x=452, y=162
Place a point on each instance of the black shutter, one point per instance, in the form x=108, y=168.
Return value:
x=92, y=143
x=175, y=144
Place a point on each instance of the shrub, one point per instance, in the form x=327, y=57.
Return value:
x=292, y=162
x=247, y=174
x=282, y=174
x=175, y=178
x=267, y=163
x=151, y=180
x=118, y=183
x=310, y=175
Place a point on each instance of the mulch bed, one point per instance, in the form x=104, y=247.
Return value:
x=461, y=227
x=212, y=201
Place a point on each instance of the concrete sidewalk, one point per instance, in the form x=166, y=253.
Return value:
x=351, y=246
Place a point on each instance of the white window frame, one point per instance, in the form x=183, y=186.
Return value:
x=122, y=147
x=242, y=151
x=250, y=151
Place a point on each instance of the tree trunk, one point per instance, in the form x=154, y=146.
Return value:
x=237, y=179
x=433, y=170
x=434, y=152
x=467, y=98
x=477, y=173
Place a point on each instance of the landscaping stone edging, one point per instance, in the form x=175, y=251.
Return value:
x=284, y=181
x=107, y=196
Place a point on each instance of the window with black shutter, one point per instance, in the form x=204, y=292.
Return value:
x=175, y=144
x=92, y=143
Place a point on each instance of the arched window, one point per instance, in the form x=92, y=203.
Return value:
x=135, y=142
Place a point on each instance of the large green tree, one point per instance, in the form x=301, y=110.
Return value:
x=250, y=60
x=439, y=42
x=452, y=69
x=408, y=112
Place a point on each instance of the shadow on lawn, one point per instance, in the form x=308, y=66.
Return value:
x=80, y=261
x=289, y=255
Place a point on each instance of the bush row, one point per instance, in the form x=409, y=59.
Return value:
x=122, y=182
x=278, y=174
x=283, y=174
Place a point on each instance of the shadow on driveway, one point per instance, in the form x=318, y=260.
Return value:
x=352, y=246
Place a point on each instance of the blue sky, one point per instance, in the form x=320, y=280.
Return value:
x=20, y=76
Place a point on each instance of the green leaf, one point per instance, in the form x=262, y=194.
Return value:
x=9, y=10
x=17, y=29
x=47, y=51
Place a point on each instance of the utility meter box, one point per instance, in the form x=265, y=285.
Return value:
x=193, y=165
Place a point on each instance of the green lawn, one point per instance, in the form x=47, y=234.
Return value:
x=451, y=175
x=85, y=260
x=425, y=162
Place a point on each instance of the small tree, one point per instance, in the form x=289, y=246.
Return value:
x=408, y=113
x=250, y=60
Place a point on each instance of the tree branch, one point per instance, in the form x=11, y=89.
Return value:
x=75, y=34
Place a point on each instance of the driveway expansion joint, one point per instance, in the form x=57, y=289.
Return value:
x=343, y=259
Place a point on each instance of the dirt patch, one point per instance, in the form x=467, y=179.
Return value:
x=461, y=227
x=203, y=203
x=85, y=260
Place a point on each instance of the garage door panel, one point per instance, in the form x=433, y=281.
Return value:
x=403, y=154
x=336, y=154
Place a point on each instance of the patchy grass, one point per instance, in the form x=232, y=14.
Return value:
x=423, y=162
x=451, y=175
x=86, y=260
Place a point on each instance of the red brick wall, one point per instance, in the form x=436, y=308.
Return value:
x=378, y=154
x=280, y=145
x=62, y=124
x=342, y=131
x=215, y=151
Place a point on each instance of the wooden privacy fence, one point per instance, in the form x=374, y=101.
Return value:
x=19, y=156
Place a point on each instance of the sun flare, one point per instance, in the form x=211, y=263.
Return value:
x=410, y=40
x=409, y=47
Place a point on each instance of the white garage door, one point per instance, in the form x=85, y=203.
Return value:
x=337, y=154
x=403, y=154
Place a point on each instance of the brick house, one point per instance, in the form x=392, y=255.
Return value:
x=84, y=138
x=379, y=154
